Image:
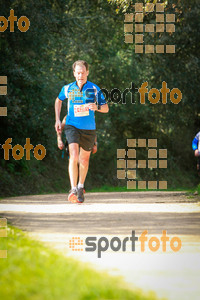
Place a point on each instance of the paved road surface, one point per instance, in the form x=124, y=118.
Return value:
x=175, y=275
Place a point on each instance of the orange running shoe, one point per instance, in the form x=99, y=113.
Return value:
x=72, y=197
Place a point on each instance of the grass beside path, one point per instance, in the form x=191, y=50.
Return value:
x=34, y=272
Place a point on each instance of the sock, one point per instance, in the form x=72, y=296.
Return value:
x=74, y=188
x=80, y=185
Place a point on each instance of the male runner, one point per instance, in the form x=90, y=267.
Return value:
x=84, y=98
x=196, y=148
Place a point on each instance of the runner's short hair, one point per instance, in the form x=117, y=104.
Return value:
x=80, y=63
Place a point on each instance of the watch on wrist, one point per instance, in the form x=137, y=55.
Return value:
x=99, y=107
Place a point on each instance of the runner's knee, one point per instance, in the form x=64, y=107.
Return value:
x=74, y=156
x=84, y=161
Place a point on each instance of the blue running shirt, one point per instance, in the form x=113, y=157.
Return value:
x=79, y=114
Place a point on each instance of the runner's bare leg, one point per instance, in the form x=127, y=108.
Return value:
x=73, y=163
x=84, y=157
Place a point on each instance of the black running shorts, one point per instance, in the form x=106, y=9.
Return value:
x=85, y=138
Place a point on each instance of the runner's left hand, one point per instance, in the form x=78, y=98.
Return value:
x=93, y=106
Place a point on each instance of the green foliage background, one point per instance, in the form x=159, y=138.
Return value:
x=38, y=63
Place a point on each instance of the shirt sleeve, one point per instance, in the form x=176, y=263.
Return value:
x=195, y=144
x=195, y=141
x=62, y=96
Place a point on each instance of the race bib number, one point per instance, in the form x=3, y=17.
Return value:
x=81, y=110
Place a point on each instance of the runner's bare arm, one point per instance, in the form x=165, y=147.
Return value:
x=58, y=105
x=59, y=134
x=63, y=123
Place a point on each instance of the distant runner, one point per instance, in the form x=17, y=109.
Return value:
x=84, y=98
x=196, y=148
